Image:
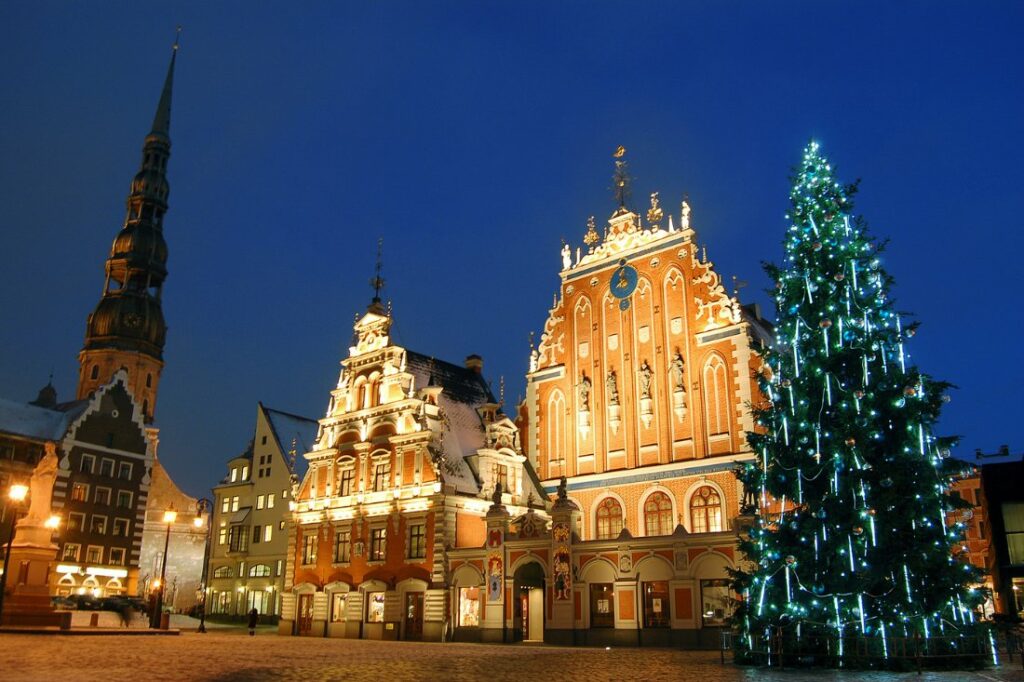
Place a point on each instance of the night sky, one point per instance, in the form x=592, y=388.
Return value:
x=473, y=137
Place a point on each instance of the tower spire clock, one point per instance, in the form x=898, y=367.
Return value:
x=127, y=328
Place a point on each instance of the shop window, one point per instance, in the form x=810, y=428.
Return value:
x=375, y=607
x=656, y=613
x=658, y=514
x=609, y=519
x=706, y=511
x=602, y=605
x=338, y=606
x=716, y=602
x=469, y=607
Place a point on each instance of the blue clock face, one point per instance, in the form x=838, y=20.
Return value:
x=624, y=281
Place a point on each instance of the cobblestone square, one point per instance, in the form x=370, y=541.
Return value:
x=233, y=656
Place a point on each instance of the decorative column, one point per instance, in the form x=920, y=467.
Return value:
x=497, y=519
x=565, y=519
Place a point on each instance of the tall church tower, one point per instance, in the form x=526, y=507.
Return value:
x=127, y=329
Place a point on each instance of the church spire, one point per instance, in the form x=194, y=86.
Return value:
x=162, y=118
x=127, y=329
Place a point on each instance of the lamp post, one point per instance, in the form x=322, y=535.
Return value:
x=204, y=505
x=16, y=494
x=155, y=621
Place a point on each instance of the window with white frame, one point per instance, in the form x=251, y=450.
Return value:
x=706, y=510
x=70, y=552
x=79, y=492
x=378, y=544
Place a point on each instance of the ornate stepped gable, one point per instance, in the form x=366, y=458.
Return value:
x=644, y=361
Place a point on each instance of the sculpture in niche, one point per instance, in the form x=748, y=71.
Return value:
x=645, y=380
x=677, y=374
x=583, y=393
x=612, y=386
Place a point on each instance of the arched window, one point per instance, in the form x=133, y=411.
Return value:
x=555, y=430
x=706, y=510
x=149, y=381
x=95, y=372
x=259, y=571
x=223, y=572
x=609, y=519
x=716, y=396
x=658, y=514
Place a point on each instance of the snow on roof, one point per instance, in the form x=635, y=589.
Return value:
x=31, y=421
x=464, y=391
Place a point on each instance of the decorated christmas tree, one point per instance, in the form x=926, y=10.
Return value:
x=850, y=553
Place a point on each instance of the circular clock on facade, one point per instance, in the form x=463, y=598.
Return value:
x=624, y=281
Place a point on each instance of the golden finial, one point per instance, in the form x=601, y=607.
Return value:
x=591, y=237
x=654, y=213
x=620, y=151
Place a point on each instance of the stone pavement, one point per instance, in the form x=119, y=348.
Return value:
x=232, y=656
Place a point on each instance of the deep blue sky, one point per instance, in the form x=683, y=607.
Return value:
x=472, y=137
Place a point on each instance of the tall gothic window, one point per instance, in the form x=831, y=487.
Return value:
x=706, y=511
x=609, y=519
x=716, y=396
x=658, y=514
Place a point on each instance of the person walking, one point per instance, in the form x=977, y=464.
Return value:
x=254, y=617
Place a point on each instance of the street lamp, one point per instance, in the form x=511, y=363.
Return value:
x=155, y=620
x=16, y=494
x=203, y=505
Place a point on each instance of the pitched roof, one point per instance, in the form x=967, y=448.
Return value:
x=40, y=423
x=464, y=391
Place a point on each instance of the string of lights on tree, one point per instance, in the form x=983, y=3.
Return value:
x=852, y=485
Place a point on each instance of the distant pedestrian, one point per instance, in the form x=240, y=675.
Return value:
x=254, y=617
x=127, y=614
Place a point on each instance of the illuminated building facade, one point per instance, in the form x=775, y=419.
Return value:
x=614, y=522
x=406, y=461
x=248, y=549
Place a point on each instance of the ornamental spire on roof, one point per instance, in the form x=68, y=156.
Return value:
x=621, y=182
x=377, y=281
x=162, y=118
x=127, y=328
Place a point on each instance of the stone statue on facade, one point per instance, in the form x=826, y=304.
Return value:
x=583, y=394
x=676, y=371
x=612, y=386
x=566, y=256
x=645, y=380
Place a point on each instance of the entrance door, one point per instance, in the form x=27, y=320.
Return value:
x=305, y=613
x=414, y=615
x=534, y=626
x=528, y=607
